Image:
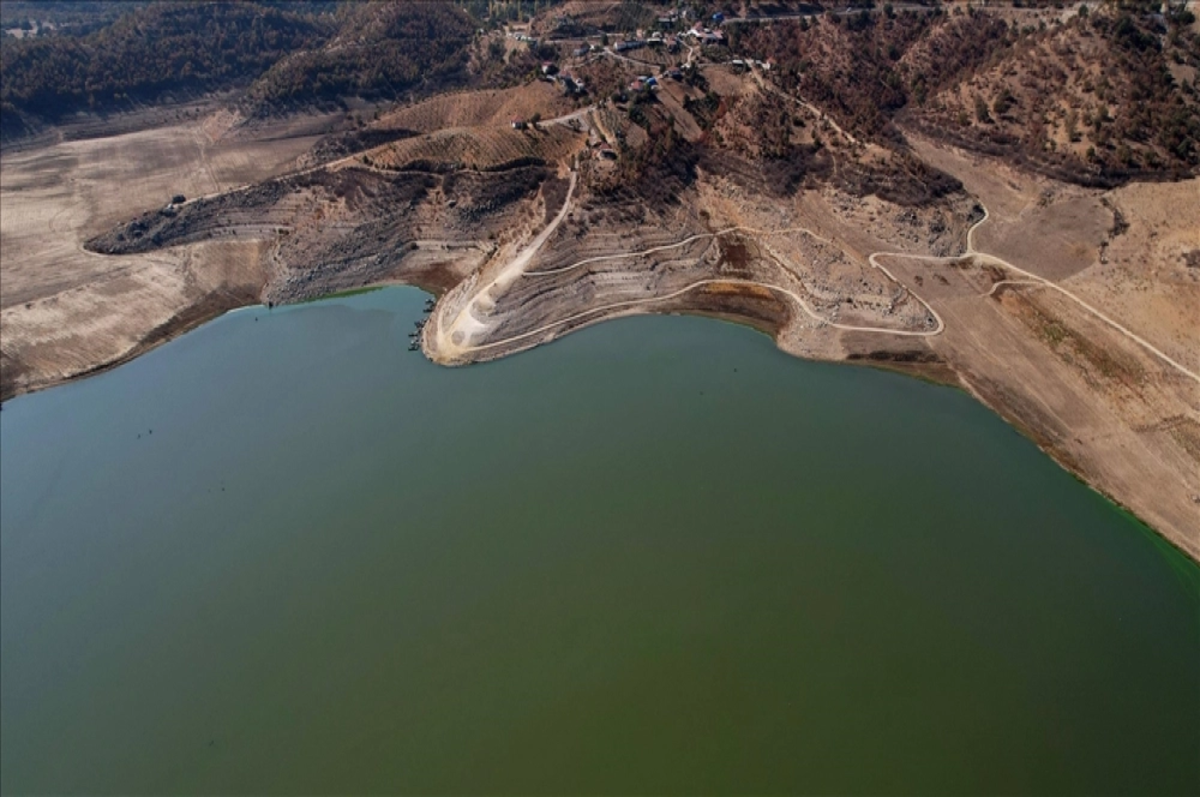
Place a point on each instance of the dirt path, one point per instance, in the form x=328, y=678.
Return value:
x=824, y=117
x=567, y=118
x=728, y=231
x=665, y=247
x=1031, y=277
x=1002, y=283
x=698, y=284
x=635, y=61
x=465, y=323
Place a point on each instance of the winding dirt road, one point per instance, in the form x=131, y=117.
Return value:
x=452, y=341
x=824, y=117
x=1034, y=278
x=698, y=284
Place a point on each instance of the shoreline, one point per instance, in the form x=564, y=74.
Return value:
x=944, y=373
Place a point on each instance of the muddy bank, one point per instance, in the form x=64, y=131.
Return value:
x=17, y=378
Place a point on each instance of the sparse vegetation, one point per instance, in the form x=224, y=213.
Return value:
x=162, y=48
x=1094, y=100
x=167, y=50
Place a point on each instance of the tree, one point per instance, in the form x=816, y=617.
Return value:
x=981, y=111
x=1004, y=101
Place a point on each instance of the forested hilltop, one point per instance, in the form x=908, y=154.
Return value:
x=148, y=53
x=287, y=55
x=1098, y=96
x=379, y=51
x=1091, y=93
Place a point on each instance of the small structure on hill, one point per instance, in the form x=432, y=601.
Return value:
x=705, y=35
x=572, y=85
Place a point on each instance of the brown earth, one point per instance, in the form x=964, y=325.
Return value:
x=65, y=311
x=1100, y=404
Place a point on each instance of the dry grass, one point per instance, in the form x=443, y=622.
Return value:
x=737, y=289
x=66, y=311
x=494, y=108
x=478, y=148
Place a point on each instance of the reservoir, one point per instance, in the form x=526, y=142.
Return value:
x=283, y=554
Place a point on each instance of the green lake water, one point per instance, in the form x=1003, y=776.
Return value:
x=282, y=554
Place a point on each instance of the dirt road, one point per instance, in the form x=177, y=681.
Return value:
x=993, y=260
x=451, y=340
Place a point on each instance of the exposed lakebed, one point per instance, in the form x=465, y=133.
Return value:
x=282, y=553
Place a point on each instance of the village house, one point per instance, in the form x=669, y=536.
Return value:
x=572, y=85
